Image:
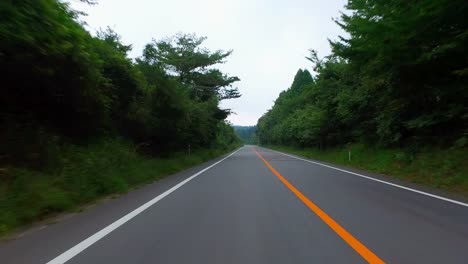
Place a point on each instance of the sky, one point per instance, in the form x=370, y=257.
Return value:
x=269, y=38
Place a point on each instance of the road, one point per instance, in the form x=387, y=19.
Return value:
x=257, y=206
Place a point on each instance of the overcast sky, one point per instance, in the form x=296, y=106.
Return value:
x=270, y=38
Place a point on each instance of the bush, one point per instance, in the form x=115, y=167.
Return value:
x=82, y=175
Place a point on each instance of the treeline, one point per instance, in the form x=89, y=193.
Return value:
x=399, y=79
x=61, y=85
x=80, y=119
x=247, y=134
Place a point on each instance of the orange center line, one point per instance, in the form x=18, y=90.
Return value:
x=360, y=248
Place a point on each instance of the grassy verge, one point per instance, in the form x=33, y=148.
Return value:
x=446, y=169
x=82, y=175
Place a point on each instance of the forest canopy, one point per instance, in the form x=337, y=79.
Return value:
x=399, y=79
x=63, y=85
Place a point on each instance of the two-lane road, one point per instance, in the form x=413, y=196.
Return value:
x=257, y=206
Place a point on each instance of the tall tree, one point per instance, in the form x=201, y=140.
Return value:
x=183, y=56
x=411, y=59
x=398, y=78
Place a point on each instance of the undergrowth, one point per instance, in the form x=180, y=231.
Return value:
x=80, y=175
x=446, y=169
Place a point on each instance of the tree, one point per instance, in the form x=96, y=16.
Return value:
x=399, y=78
x=182, y=56
x=61, y=85
x=411, y=59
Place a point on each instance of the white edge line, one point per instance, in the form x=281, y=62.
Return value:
x=377, y=180
x=72, y=252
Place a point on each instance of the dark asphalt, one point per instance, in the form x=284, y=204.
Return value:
x=239, y=212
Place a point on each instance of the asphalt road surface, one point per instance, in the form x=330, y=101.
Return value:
x=257, y=206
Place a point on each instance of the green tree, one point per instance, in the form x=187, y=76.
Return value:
x=399, y=78
x=411, y=58
x=182, y=56
x=51, y=73
x=62, y=85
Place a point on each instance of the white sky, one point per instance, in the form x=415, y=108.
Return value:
x=270, y=38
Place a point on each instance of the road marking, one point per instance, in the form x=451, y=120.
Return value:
x=72, y=252
x=360, y=248
x=377, y=180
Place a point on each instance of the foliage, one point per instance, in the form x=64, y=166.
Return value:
x=61, y=82
x=65, y=92
x=182, y=56
x=398, y=79
x=84, y=174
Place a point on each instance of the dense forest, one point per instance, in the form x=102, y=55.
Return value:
x=399, y=79
x=392, y=97
x=76, y=110
x=60, y=83
x=247, y=134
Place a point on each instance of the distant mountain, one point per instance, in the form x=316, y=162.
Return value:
x=246, y=134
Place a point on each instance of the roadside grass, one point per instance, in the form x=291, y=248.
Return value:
x=445, y=169
x=82, y=175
